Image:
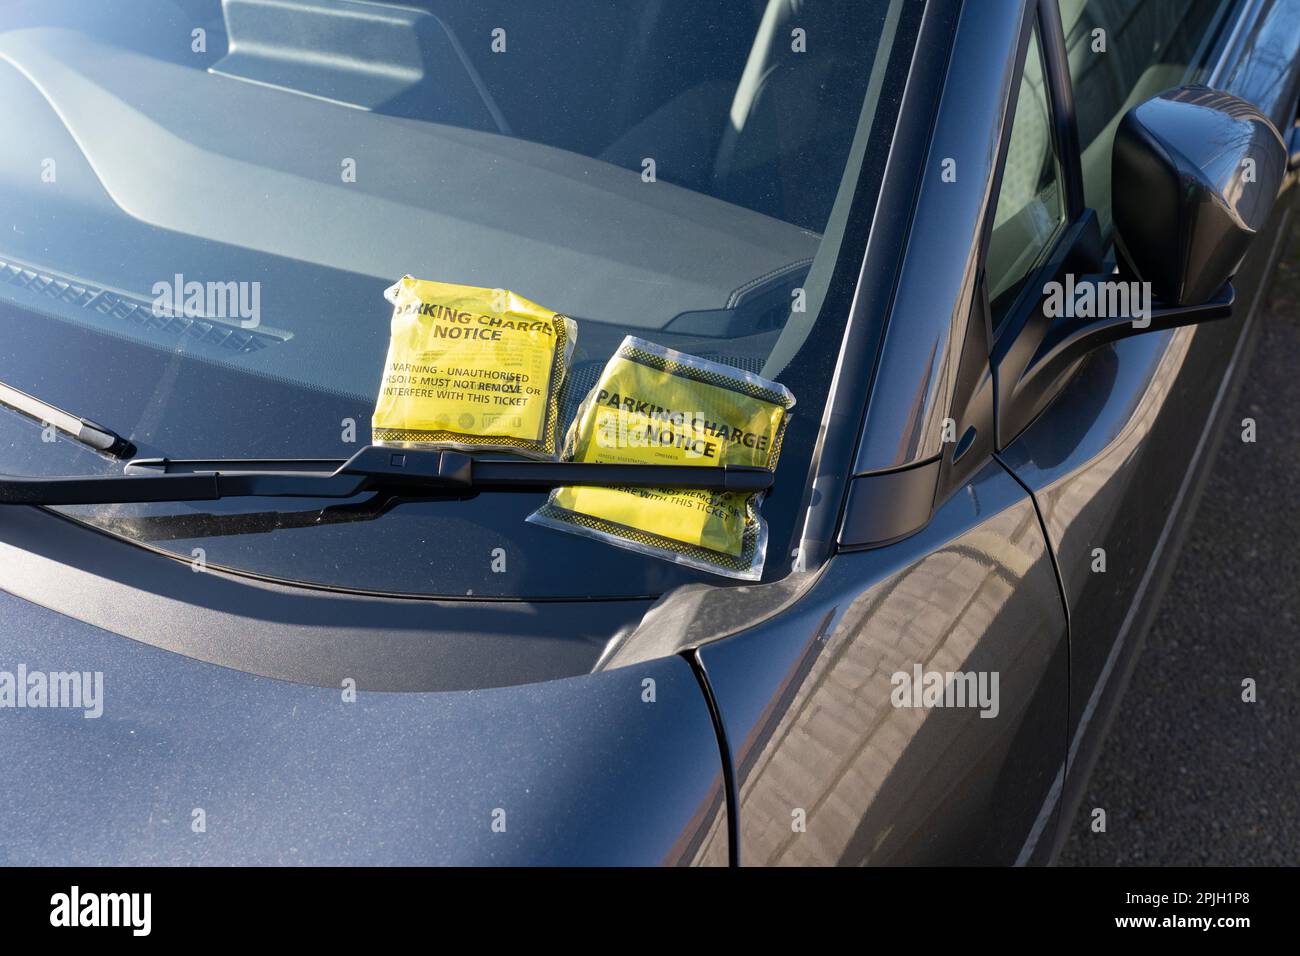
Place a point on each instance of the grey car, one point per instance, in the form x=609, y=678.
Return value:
x=1006, y=255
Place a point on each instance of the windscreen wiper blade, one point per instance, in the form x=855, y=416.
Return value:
x=74, y=426
x=414, y=472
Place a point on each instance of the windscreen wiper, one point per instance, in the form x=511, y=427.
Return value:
x=413, y=472
x=74, y=426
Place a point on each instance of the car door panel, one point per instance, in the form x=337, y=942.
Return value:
x=1114, y=465
x=814, y=735
x=1105, y=463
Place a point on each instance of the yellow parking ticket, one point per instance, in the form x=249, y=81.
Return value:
x=472, y=369
x=655, y=405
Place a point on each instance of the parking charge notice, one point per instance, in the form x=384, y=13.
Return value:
x=467, y=366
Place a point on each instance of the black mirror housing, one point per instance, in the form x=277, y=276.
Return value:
x=1194, y=173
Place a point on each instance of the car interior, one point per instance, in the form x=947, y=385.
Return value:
x=205, y=139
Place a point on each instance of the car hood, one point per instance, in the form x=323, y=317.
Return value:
x=173, y=761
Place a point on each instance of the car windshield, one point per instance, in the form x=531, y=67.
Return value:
x=695, y=173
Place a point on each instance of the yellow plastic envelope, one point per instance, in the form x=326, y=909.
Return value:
x=656, y=405
x=471, y=369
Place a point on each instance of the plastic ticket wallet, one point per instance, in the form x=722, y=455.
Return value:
x=655, y=405
x=471, y=369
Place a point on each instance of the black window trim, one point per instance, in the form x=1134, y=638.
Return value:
x=1043, y=15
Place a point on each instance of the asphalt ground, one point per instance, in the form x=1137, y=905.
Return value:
x=1190, y=773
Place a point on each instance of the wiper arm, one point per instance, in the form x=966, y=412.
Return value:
x=414, y=472
x=74, y=426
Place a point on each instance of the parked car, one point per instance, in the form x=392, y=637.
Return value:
x=1006, y=256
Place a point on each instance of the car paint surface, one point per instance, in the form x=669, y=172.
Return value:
x=829, y=771
x=193, y=763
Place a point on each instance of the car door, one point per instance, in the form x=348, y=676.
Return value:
x=1113, y=461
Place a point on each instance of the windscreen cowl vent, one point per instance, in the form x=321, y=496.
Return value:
x=63, y=296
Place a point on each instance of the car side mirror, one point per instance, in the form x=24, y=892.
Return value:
x=1194, y=173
